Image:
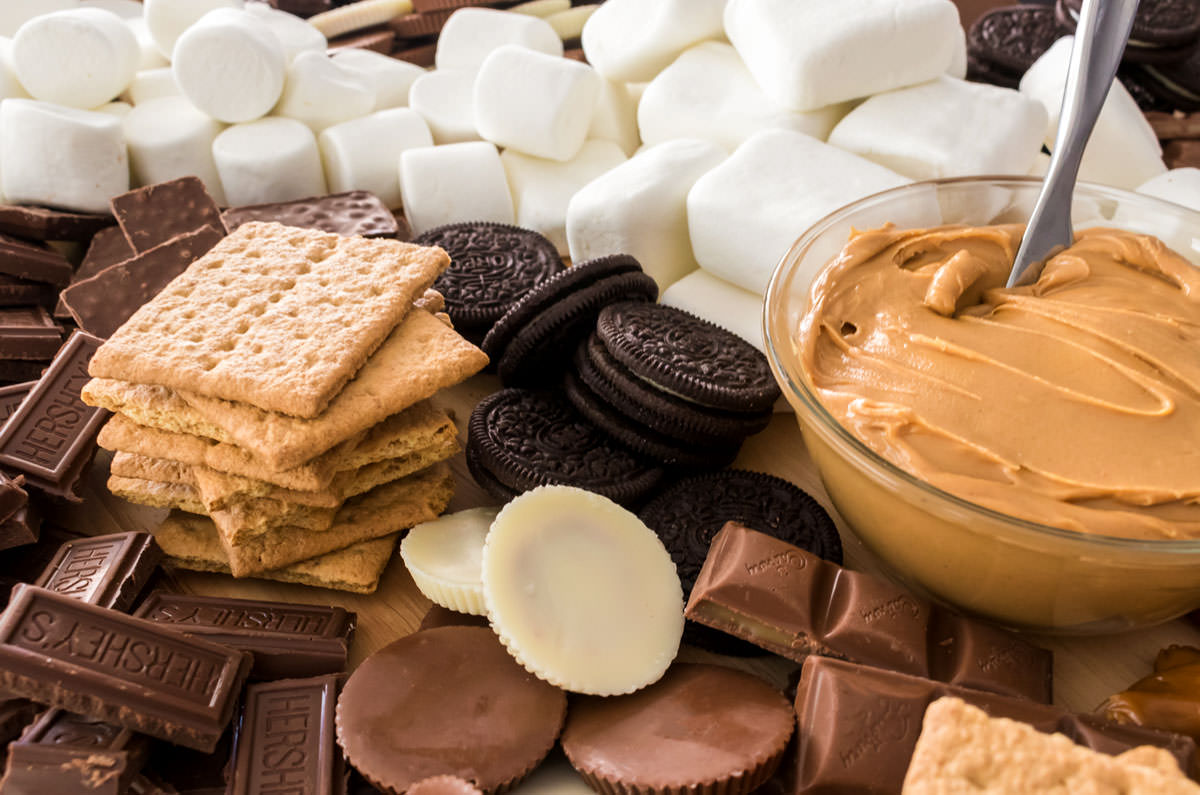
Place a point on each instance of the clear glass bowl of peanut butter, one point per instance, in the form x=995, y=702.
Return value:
x=1031, y=455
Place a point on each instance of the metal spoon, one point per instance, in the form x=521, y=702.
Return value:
x=1100, y=38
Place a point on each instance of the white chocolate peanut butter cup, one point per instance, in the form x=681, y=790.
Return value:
x=581, y=592
x=445, y=557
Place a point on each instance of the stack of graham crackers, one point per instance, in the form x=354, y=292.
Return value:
x=275, y=395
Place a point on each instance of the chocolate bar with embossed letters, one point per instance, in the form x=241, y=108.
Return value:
x=109, y=571
x=65, y=753
x=51, y=437
x=858, y=726
x=287, y=640
x=11, y=397
x=793, y=603
x=111, y=667
x=286, y=742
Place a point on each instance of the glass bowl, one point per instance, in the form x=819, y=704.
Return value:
x=1019, y=573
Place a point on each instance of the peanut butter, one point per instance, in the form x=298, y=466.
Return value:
x=1073, y=402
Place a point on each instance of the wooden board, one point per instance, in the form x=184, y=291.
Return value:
x=1086, y=670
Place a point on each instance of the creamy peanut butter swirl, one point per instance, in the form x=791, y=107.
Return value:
x=1073, y=402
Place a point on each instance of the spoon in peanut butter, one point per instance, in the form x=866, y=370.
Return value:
x=1100, y=38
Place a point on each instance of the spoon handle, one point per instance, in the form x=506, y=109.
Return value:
x=1100, y=38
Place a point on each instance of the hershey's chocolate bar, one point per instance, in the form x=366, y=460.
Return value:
x=108, y=666
x=287, y=640
x=286, y=741
x=19, y=521
x=153, y=214
x=11, y=397
x=44, y=223
x=352, y=213
x=65, y=753
x=108, y=571
x=793, y=603
x=28, y=332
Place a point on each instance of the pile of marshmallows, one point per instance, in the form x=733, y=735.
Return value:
x=704, y=137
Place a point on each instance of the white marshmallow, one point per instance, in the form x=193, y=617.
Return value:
x=149, y=56
x=125, y=9
x=80, y=58
x=540, y=8
x=745, y=214
x=958, y=61
x=10, y=86
x=445, y=98
x=470, y=35
x=633, y=40
x=719, y=302
x=456, y=182
x=709, y=93
x=390, y=78
x=568, y=24
x=946, y=128
x=535, y=103
x=542, y=189
x=615, y=116
x=152, y=83
x=1179, y=185
x=230, y=65
x=169, y=138
x=809, y=54
x=1123, y=150
x=85, y=148
x=168, y=19
x=364, y=154
x=294, y=33
x=118, y=109
x=639, y=208
x=1182, y=235
x=268, y=160
x=321, y=93
x=15, y=13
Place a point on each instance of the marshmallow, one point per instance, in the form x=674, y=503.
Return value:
x=535, y=103
x=470, y=35
x=445, y=98
x=15, y=13
x=85, y=149
x=364, y=154
x=390, y=78
x=709, y=93
x=118, y=109
x=745, y=214
x=152, y=83
x=10, y=86
x=809, y=54
x=168, y=19
x=639, y=208
x=1180, y=185
x=1123, y=150
x=946, y=128
x=294, y=33
x=568, y=24
x=633, y=40
x=456, y=182
x=321, y=93
x=230, y=65
x=540, y=8
x=1182, y=235
x=149, y=56
x=958, y=61
x=79, y=58
x=542, y=189
x=615, y=116
x=169, y=138
x=719, y=302
x=269, y=160
x=125, y=9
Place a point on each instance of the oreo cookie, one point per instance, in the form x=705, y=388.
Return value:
x=1177, y=85
x=1163, y=31
x=1005, y=42
x=491, y=267
x=682, y=354
x=522, y=439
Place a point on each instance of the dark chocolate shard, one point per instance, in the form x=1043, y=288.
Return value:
x=152, y=215
x=43, y=223
x=108, y=247
x=21, y=528
x=11, y=397
x=28, y=332
x=15, y=291
x=33, y=261
x=65, y=753
x=108, y=571
x=353, y=213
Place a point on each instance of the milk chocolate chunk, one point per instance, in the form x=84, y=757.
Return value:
x=34, y=261
x=287, y=640
x=152, y=215
x=795, y=604
x=51, y=437
x=356, y=212
x=107, y=248
x=19, y=525
x=24, y=292
x=28, y=332
x=858, y=726
x=11, y=397
x=44, y=223
x=105, y=665
x=285, y=740
x=108, y=571
x=376, y=39
x=64, y=753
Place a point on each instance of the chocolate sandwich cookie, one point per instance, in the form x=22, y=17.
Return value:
x=524, y=439
x=1163, y=30
x=491, y=267
x=1135, y=80
x=1176, y=85
x=1005, y=42
x=687, y=356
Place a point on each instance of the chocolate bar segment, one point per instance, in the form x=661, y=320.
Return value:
x=287, y=640
x=51, y=437
x=353, y=213
x=286, y=741
x=34, y=261
x=24, y=292
x=43, y=223
x=108, y=247
x=108, y=666
x=858, y=726
x=152, y=215
x=793, y=603
x=65, y=753
x=28, y=332
x=18, y=524
x=11, y=397
x=108, y=571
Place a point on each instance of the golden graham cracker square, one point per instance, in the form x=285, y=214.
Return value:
x=272, y=316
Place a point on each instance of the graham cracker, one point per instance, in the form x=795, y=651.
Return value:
x=431, y=301
x=273, y=316
x=132, y=465
x=190, y=542
x=156, y=494
x=963, y=750
x=152, y=406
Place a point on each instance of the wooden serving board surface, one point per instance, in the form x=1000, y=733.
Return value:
x=1086, y=670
